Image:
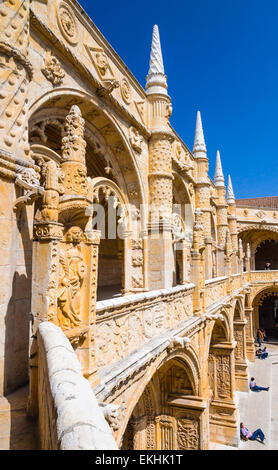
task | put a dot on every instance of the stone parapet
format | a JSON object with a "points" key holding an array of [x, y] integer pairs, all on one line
{"points": [[69, 415]]}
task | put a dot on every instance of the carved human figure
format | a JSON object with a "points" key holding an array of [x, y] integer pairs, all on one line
{"points": [[72, 271], [102, 62]]}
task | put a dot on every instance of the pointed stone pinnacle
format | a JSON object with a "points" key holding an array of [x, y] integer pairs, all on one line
{"points": [[230, 192], [199, 141], [156, 78], [156, 61], [218, 175]]}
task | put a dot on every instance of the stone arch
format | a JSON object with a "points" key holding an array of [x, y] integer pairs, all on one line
{"points": [[238, 309], [183, 212], [255, 236], [110, 156], [54, 104], [175, 377], [265, 311]]}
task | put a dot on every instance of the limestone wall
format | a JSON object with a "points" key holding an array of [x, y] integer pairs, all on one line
{"points": [[69, 414], [15, 290]]}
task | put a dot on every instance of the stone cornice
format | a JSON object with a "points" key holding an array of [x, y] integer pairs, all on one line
{"points": [[66, 53]]}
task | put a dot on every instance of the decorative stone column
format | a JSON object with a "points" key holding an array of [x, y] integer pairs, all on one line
{"points": [[240, 256], [197, 256], [228, 261], [248, 260], [203, 193], [241, 366], [250, 347], [161, 259], [224, 426], [232, 223], [65, 253], [161, 255], [221, 212]]}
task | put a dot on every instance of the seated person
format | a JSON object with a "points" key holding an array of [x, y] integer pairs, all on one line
{"points": [[252, 436], [262, 354], [256, 388]]}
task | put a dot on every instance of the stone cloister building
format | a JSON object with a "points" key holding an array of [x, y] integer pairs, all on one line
{"points": [[138, 340]]}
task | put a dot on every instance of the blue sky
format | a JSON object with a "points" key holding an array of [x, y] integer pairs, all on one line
{"points": [[221, 57]]}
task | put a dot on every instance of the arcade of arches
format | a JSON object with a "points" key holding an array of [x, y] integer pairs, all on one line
{"points": [[118, 252]]}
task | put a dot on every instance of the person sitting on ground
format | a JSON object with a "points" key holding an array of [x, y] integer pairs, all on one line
{"points": [[254, 387], [252, 436], [261, 354]]}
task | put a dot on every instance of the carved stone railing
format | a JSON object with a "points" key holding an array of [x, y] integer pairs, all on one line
{"points": [[264, 276], [126, 323], [236, 281], [68, 412], [215, 289]]}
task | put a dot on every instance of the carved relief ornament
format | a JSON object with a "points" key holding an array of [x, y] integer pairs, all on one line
{"points": [[135, 139], [101, 63], [52, 69], [67, 23], [126, 91]]}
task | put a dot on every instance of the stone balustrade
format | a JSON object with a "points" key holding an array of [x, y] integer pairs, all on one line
{"points": [[126, 323], [69, 415], [264, 276], [236, 281], [215, 289]]}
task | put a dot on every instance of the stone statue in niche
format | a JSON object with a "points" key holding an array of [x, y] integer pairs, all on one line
{"points": [[72, 271]]}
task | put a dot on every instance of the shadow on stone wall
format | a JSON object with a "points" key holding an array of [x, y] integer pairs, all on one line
{"points": [[17, 320]]}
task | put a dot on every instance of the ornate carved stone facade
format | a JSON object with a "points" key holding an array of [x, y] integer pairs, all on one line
{"points": [[112, 230]]}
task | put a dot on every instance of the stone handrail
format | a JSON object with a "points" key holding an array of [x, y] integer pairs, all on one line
{"points": [[69, 415], [126, 323], [264, 276], [215, 289]]}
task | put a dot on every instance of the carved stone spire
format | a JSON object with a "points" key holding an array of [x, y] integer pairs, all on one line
{"points": [[230, 192], [218, 175], [156, 78], [199, 141], [74, 145], [74, 154]]}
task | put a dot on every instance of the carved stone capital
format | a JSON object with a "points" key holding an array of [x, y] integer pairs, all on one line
{"points": [[48, 231]]}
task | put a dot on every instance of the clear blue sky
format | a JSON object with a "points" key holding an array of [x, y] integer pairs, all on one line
{"points": [[221, 57]]}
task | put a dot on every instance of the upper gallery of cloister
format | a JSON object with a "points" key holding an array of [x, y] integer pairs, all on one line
{"points": [[117, 248]]}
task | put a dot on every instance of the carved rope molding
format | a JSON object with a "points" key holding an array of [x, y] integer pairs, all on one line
{"points": [[39, 26], [9, 50], [11, 167]]}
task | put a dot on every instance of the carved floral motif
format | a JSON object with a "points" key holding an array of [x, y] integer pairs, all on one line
{"points": [[67, 23], [126, 91], [188, 433], [52, 69]]}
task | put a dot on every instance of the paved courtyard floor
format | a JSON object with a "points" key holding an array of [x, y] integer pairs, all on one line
{"points": [[16, 431], [260, 409]]}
